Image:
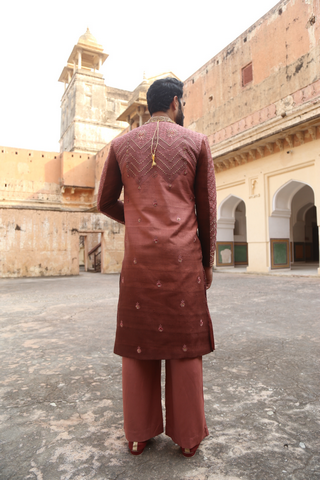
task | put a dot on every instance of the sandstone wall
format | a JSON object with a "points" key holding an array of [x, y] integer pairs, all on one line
{"points": [[45, 203], [284, 49], [89, 112], [269, 174], [46, 243], [38, 243], [29, 176]]}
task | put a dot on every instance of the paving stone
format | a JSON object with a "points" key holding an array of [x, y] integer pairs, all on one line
{"points": [[60, 383]]}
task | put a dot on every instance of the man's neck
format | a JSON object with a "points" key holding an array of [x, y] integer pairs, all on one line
{"points": [[164, 114]]}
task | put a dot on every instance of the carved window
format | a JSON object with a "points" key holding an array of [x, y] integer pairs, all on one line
{"points": [[247, 75]]}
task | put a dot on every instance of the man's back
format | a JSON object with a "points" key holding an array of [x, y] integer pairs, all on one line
{"points": [[159, 199], [175, 147]]}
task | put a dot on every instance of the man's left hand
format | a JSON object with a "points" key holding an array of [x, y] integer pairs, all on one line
{"points": [[208, 272]]}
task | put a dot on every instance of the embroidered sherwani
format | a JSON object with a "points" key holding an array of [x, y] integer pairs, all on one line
{"points": [[169, 211]]}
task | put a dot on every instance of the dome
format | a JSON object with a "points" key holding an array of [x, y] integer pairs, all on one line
{"points": [[88, 39]]}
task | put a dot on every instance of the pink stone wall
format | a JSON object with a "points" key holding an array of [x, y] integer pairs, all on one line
{"points": [[284, 50]]}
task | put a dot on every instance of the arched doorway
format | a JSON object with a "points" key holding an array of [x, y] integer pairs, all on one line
{"points": [[293, 226], [90, 251], [304, 234], [232, 246]]}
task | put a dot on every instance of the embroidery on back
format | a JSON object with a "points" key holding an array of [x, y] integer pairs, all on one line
{"points": [[173, 154]]}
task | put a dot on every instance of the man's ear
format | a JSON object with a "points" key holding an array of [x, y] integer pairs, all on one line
{"points": [[174, 105]]}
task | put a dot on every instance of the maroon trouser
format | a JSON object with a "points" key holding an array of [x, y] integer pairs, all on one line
{"points": [[142, 410]]}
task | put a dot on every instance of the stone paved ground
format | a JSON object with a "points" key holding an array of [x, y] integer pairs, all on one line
{"points": [[60, 392]]}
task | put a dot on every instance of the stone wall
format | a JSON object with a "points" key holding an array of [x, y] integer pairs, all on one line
{"points": [[45, 203], [46, 243], [48, 199], [38, 243], [283, 47], [264, 219], [34, 178], [29, 177], [89, 111]]}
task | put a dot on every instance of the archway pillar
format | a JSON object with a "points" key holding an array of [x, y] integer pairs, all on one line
{"points": [[258, 254], [279, 224], [225, 242], [231, 246], [257, 233], [319, 246], [103, 253], [225, 229], [279, 229]]}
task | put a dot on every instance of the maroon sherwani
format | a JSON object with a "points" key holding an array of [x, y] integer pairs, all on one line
{"points": [[169, 211]]}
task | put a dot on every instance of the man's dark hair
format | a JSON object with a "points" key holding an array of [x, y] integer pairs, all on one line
{"points": [[162, 92]]}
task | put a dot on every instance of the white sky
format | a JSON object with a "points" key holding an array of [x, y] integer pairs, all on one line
{"points": [[37, 37]]}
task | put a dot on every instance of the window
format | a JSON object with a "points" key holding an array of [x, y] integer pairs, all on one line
{"points": [[247, 75]]}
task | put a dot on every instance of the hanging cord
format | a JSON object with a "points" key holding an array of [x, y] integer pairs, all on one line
{"points": [[153, 151]]}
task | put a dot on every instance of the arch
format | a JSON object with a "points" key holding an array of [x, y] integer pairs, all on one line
{"points": [[281, 202], [228, 207], [287, 225], [279, 221], [240, 223], [232, 232]]}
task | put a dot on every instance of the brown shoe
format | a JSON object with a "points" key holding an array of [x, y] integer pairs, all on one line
{"points": [[136, 448], [189, 452]]}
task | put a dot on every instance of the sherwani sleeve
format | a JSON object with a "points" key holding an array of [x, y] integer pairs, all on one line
{"points": [[206, 204], [110, 189]]}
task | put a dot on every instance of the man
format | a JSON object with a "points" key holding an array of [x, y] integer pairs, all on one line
{"points": [[169, 210]]}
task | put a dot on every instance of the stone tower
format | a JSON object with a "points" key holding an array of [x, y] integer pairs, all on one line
{"points": [[89, 109]]}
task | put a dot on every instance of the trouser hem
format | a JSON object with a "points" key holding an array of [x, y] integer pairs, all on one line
{"points": [[191, 442], [144, 436]]}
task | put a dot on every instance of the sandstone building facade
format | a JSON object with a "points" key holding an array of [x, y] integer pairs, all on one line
{"points": [[259, 103], [89, 109]]}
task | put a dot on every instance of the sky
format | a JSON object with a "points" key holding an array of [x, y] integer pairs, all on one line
{"points": [[37, 37]]}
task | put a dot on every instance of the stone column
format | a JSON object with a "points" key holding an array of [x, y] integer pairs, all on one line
{"points": [[141, 111], [225, 228], [103, 254], [79, 59], [319, 248], [257, 227], [86, 253]]}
